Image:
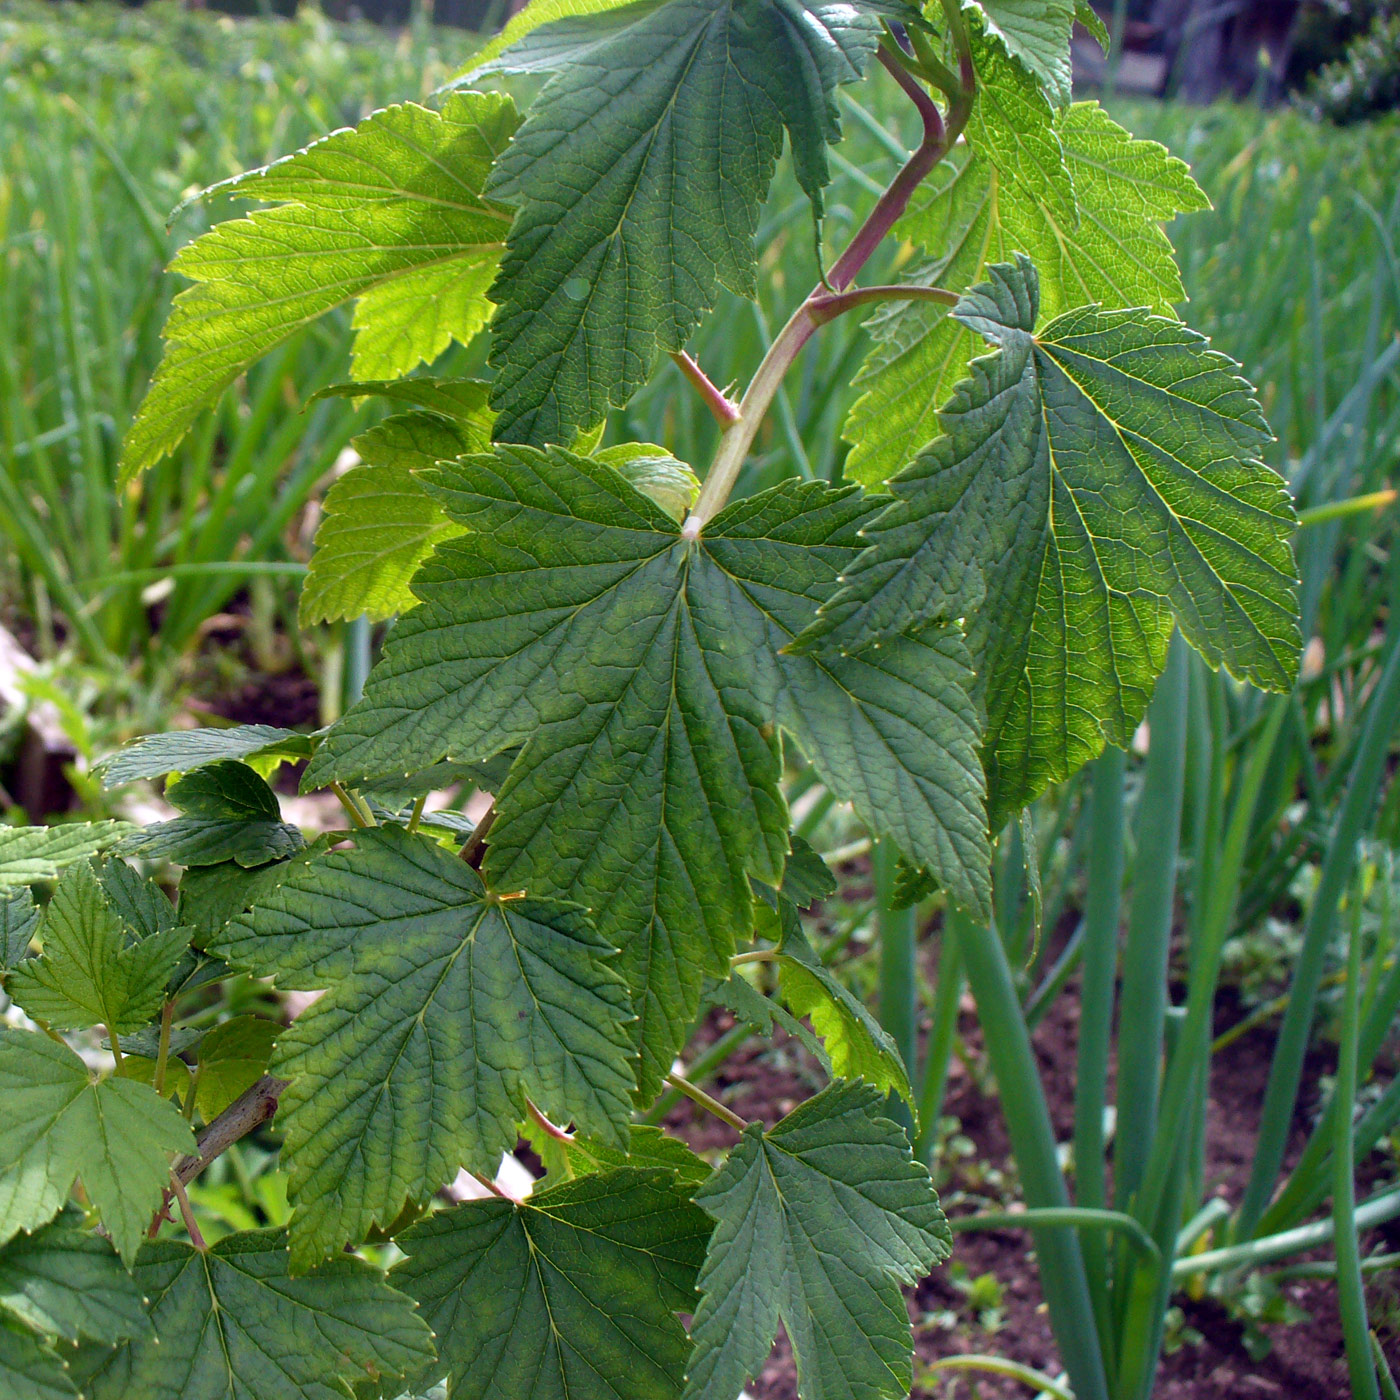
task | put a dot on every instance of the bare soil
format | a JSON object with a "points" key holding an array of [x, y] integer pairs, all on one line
{"points": [[1208, 1359]]}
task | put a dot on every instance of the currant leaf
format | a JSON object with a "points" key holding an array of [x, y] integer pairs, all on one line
{"points": [[642, 672], [182, 751], [1097, 483], [818, 1222], [379, 522], [232, 1323], [30, 1367], [1036, 33], [639, 172], [30, 853], [391, 214], [571, 1295], [57, 1124], [19, 919], [980, 208], [67, 1282], [443, 1008], [91, 972]]}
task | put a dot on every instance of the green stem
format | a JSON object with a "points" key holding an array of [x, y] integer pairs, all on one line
{"points": [[899, 978], [1100, 933], [1351, 1291], [739, 435], [943, 1034], [1286, 1071], [167, 1020], [1013, 1063], [711, 1105]]}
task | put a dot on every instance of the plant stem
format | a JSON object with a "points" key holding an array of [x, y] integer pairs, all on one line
{"points": [[253, 1107], [738, 436], [756, 956], [352, 811], [697, 1095], [186, 1214], [167, 1019], [829, 307], [545, 1126], [725, 410], [116, 1050], [416, 816], [474, 852], [1351, 1291]]}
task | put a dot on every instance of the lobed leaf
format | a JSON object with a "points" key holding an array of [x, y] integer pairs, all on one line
{"points": [[643, 674], [638, 175], [67, 1282], [232, 1323], [991, 199], [818, 1222], [1036, 33], [90, 972], [30, 853], [183, 750], [571, 1295], [19, 919], [443, 1008], [1096, 484], [380, 522], [57, 1124], [391, 214]]}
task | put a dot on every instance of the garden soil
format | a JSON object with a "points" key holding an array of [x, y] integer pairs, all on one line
{"points": [[1209, 1359]]}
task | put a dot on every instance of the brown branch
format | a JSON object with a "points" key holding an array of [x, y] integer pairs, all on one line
{"points": [[725, 410]]}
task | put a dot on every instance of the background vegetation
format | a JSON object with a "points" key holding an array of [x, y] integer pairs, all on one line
{"points": [[1248, 861]]}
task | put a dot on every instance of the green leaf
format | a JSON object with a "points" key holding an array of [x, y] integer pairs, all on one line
{"points": [[463, 400], [211, 895], [391, 213], [647, 1147], [1097, 482], [90, 972], [68, 1282], [19, 918], [1088, 16], [644, 671], [857, 1045], [230, 814], [569, 1296], [232, 1057], [182, 751], [30, 853], [639, 173], [380, 522], [233, 1324], [980, 208], [807, 878], [443, 1008], [56, 1124], [526, 21], [820, 1220], [29, 1367], [1036, 34], [655, 473]]}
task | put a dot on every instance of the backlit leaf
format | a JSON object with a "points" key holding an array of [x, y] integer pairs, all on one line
{"points": [[1096, 484]]}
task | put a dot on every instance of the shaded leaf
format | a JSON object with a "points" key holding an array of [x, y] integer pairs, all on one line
{"points": [[233, 1324], [19, 918], [232, 1057], [444, 1007], [819, 1220], [639, 172], [569, 1296], [68, 1282], [642, 673]]}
